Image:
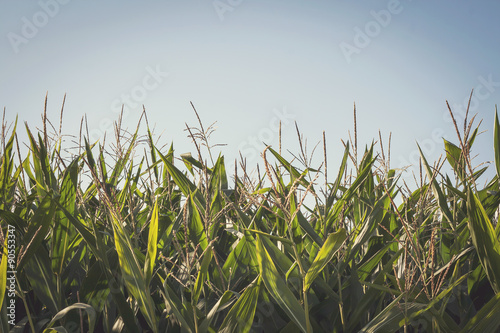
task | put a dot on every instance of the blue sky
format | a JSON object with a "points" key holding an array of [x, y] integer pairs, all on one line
{"points": [[246, 64]]}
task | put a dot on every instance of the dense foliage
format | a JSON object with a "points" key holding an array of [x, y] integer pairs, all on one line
{"points": [[172, 244]]}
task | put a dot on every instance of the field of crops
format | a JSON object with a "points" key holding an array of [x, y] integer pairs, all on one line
{"points": [[132, 237]]}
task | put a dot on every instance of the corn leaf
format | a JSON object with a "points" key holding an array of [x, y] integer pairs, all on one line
{"points": [[91, 315], [195, 224], [3, 269], [152, 244], [293, 171], [484, 239], [64, 232], [456, 159], [486, 319], [222, 303], [133, 275], [185, 185], [389, 319], [240, 317], [37, 230], [39, 273], [202, 275], [278, 288], [441, 199], [325, 254], [182, 312], [7, 183], [496, 143]]}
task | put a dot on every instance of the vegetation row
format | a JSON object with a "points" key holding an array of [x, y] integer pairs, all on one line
{"points": [[113, 239]]}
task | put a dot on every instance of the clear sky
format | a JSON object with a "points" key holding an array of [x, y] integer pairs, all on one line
{"points": [[246, 64]]}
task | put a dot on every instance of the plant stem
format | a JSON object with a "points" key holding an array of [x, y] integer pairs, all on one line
{"points": [[306, 308], [25, 306], [341, 305]]}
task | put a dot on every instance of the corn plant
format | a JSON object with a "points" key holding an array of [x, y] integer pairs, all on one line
{"points": [[110, 239]]}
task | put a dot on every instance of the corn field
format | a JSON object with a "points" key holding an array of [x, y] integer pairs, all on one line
{"points": [[131, 237]]}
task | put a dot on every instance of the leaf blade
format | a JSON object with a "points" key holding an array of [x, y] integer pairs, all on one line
{"points": [[325, 254], [278, 288]]}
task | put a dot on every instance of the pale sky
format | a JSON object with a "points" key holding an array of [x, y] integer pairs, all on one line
{"points": [[246, 64]]}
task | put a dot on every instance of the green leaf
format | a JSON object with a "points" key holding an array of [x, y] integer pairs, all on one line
{"points": [[368, 224], [218, 177], [278, 288], [94, 289], [42, 280], [221, 304], [64, 232], [81, 306], [37, 230], [438, 298], [241, 259], [7, 183], [152, 244], [90, 156], [340, 176], [373, 294], [349, 193], [367, 267], [297, 234], [441, 199], [45, 164], [185, 185], [195, 224], [293, 171], [389, 319], [325, 254], [496, 142], [126, 313], [153, 154], [486, 319], [484, 239], [273, 237], [84, 231], [189, 161], [171, 230], [133, 275], [182, 311], [283, 264], [57, 329], [240, 317], [202, 275], [306, 226], [3, 269], [455, 157], [122, 161]]}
